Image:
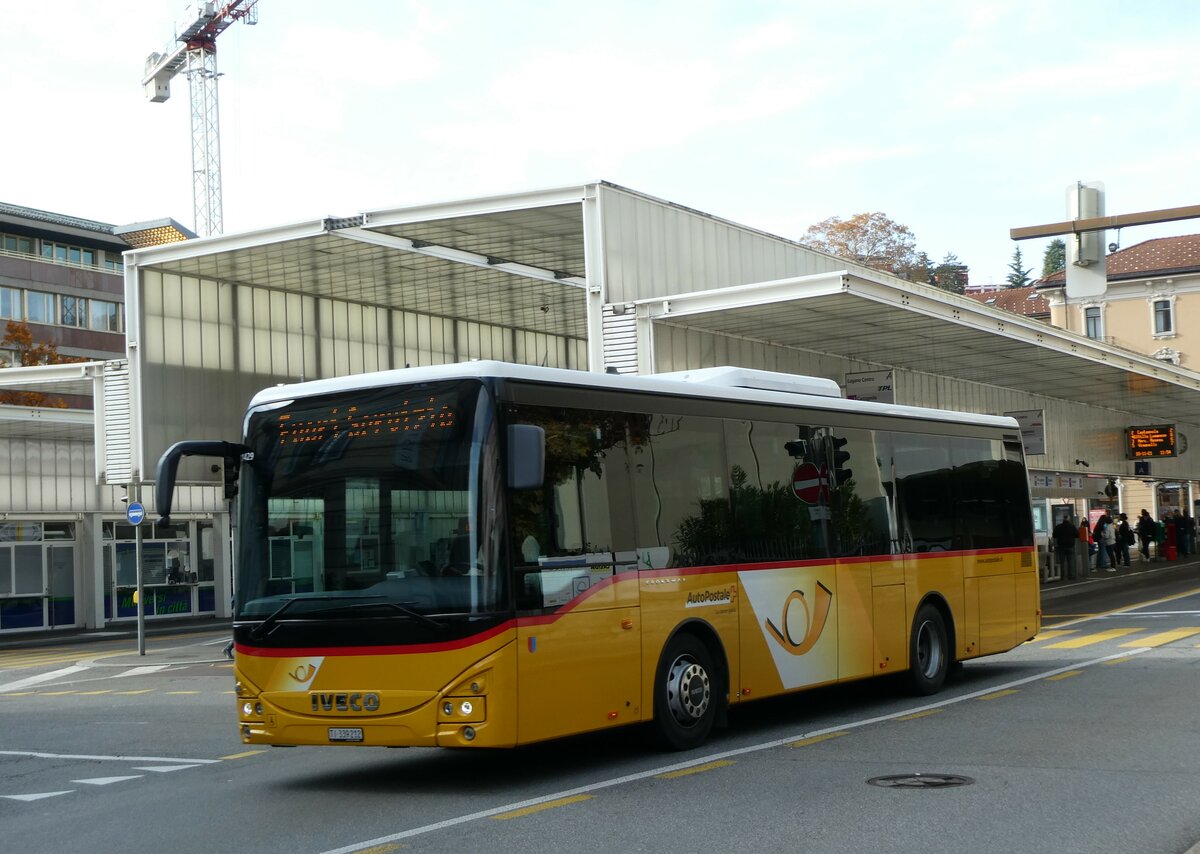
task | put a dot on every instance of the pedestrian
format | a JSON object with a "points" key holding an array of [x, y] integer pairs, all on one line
{"points": [[1124, 540], [1145, 532], [1065, 534], [1098, 538], [1189, 532], [1085, 537], [1180, 533], [1110, 542]]}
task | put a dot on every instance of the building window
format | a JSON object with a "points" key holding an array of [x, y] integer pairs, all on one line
{"points": [[1163, 320], [16, 243], [105, 316], [39, 307], [10, 304], [1092, 325], [72, 311]]}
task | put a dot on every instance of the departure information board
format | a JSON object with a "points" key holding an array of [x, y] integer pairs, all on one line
{"points": [[1157, 440]]}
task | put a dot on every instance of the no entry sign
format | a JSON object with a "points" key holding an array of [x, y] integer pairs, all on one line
{"points": [[810, 483]]}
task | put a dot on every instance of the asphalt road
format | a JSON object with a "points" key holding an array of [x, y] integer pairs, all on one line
{"points": [[1084, 740]]}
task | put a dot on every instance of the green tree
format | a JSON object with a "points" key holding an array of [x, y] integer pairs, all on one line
{"points": [[872, 239], [951, 275], [1055, 258], [1018, 277]]}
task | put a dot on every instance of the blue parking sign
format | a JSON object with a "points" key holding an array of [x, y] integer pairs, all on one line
{"points": [[135, 513]]}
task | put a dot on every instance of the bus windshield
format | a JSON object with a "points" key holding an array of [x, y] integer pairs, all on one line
{"points": [[378, 504]]}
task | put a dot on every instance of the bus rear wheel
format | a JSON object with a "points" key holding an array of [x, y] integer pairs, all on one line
{"points": [[685, 693], [929, 651]]}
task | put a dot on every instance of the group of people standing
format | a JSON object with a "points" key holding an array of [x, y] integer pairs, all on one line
{"points": [[1110, 539]]}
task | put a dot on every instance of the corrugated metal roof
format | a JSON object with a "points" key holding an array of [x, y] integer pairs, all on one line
{"points": [[57, 219]]}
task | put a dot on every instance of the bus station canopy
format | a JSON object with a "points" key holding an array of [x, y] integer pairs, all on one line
{"points": [[522, 260]]}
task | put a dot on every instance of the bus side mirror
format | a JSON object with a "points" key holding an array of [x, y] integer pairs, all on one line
{"points": [[526, 456]]}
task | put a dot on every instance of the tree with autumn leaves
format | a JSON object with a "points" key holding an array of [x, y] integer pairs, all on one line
{"points": [[879, 242], [19, 337]]}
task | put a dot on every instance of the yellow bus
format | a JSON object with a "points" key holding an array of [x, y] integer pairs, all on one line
{"points": [[489, 554]]}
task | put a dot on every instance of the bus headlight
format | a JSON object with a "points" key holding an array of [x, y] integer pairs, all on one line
{"points": [[247, 709]]}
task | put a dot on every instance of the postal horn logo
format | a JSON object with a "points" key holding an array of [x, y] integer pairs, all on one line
{"points": [[814, 620], [302, 673]]}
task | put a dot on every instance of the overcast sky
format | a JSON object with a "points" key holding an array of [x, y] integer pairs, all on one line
{"points": [[959, 120]]}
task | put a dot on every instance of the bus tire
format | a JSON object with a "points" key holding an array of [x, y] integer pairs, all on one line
{"points": [[686, 693], [928, 652]]}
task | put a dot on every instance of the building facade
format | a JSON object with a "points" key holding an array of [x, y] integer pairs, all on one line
{"points": [[66, 553]]}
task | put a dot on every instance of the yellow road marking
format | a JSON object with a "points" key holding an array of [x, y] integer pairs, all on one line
{"points": [[55, 693], [695, 769], [816, 739], [548, 805], [183, 692], [18, 694], [916, 715], [244, 755], [1120, 660], [94, 693], [1066, 675], [1088, 640], [140, 691], [381, 849], [1163, 637], [1051, 634], [996, 695]]}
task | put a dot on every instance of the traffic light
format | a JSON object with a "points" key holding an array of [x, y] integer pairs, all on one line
{"points": [[232, 464], [799, 447], [841, 474]]}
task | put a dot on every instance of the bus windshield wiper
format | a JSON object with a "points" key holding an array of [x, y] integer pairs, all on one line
{"points": [[402, 607], [260, 631]]}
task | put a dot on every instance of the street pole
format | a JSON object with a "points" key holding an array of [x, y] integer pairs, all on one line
{"points": [[141, 598]]}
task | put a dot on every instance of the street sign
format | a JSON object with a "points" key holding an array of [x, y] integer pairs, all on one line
{"points": [[135, 513], [809, 483]]}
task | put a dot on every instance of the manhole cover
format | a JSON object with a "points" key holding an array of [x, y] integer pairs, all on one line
{"points": [[920, 781]]}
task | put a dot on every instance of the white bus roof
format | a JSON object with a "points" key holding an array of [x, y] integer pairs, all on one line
{"points": [[726, 383]]}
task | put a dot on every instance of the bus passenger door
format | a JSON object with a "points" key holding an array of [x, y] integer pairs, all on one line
{"points": [[579, 665]]}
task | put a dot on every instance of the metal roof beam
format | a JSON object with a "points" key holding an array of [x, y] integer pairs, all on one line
{"points": [[458, 256], [745, 296], [1100, 223], [474, 207]]}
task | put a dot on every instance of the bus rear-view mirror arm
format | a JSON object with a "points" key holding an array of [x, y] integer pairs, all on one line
{"points": [[164, 480]]}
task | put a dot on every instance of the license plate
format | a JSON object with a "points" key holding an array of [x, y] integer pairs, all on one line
{"points": [[345, 733]]}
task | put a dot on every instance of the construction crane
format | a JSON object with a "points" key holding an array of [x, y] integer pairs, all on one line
{"points": [[194, 51]]}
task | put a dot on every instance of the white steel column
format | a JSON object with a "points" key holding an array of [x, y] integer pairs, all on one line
{"points": [[593, 255]]}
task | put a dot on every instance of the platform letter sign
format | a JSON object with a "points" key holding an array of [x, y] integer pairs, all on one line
{"points": [[1157, 440]]}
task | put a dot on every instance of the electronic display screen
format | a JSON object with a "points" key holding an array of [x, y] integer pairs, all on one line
{"points": [[1152, 441], [348, 421]]}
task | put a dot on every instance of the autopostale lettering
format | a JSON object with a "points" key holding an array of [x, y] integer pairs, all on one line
{"points": [[366, 702]]}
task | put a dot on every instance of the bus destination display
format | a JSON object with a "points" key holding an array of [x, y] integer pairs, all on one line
{"points": [[349, 421], [1154, 441]]}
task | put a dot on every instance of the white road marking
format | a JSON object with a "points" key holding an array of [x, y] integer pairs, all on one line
{"points": [[713, 757], [162, 769], [142, 671], [108, 781], [40, 678], [36, 797], [164, 759]]}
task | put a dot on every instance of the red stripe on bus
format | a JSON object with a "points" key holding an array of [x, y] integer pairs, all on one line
{"points": [[409, 649]]}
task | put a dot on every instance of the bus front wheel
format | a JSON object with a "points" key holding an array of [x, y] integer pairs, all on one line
{"points": [[685, 693], [929, 651]]}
